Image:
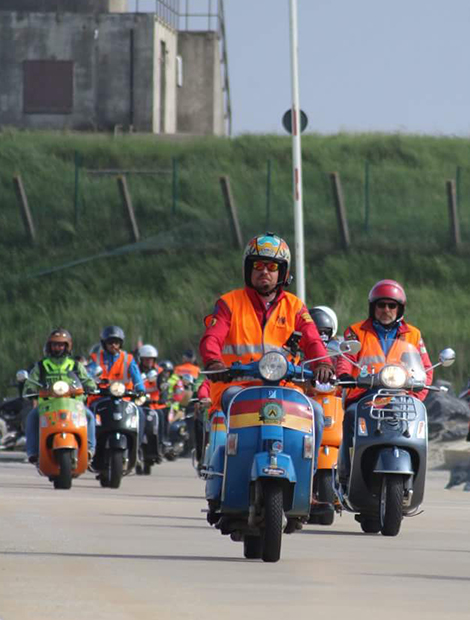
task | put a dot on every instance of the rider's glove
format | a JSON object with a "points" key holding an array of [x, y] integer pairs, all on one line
{"points": [[323, 373], [218, 376], [346, 377]]}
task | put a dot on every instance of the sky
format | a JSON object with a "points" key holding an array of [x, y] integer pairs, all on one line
{"points": [[364, 65]]}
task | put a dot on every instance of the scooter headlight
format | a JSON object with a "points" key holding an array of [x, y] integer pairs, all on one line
{"points": [[60, 388], [393, 377], [273, 366], [117, 388]]}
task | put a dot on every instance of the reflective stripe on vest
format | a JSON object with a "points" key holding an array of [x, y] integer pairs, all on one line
{"points": [[372, 354], [246, 340], [58, 371]]}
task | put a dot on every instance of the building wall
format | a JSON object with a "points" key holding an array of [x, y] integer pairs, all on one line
{"points": [[115, 77], [200, 107], [64, 6], [164, 99]]}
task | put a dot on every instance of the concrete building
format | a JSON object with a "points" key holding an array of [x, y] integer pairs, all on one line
{"points": [[89, 65]]}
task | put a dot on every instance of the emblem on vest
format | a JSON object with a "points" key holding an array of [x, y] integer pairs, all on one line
{"points": [[281, 320]]}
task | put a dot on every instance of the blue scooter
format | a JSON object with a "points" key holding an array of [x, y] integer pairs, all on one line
{"points": [[259, 480]]}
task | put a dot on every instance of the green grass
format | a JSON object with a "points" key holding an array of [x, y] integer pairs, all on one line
{"points": [[162, 294]]}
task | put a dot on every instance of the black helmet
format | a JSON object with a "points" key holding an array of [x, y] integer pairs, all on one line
{"points": [[166, 365], [189, 356], [325, 319], [113, 331]]}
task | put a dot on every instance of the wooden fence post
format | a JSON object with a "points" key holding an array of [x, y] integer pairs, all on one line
{"points": [[340, 210], [24, 207], [127, 203], [232, 212], [453, 215]]}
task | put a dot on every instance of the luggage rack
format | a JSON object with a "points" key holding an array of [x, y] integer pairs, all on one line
{"points": [[393, 406]]}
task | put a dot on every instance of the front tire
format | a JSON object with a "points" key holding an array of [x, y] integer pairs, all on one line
{"points": [[326, 495], [116, 464], [391, 504], [272, 534], [64, 479]]}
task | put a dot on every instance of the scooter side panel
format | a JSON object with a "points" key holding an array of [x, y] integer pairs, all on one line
{"points": [[237, 470], [214, 483]]}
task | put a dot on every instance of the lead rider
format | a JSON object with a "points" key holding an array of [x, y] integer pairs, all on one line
{"points": [[248, 322]]}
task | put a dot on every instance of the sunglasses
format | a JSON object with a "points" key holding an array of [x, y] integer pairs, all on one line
{"points": [[392, 305], [261, 265]]}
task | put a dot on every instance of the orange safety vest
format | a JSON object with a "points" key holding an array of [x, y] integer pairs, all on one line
{"points": [[247, 341], [372, 355], [188, 369], [119, 371], [153, 393]]}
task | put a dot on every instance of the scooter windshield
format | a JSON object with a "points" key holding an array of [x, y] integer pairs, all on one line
{"points": [[407, 355]]}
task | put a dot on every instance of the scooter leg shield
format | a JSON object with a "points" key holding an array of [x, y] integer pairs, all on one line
{"points": [[327, 457], [393, 460]]}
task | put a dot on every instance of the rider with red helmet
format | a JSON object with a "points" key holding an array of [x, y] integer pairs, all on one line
{"points": [[386, 324]]}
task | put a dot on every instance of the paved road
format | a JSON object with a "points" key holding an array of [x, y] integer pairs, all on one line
{"points": [[144, 551]]}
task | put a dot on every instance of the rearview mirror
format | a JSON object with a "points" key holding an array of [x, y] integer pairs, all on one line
{"points": [[152, 375], [350, 346], [447, 357], [22, 376]]}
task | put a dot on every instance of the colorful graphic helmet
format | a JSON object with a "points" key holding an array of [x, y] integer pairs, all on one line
{"points": [[387, 289], [113, 331], [268, 247], [326, 321], [59, 335], [147, 350]]}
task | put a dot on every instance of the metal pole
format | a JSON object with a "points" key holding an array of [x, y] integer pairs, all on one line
{"points": [[268, 196], [297, 158]]}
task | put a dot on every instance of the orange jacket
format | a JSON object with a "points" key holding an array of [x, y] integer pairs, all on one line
{"points": [[373, 356], [188, 369], [247, 341]]}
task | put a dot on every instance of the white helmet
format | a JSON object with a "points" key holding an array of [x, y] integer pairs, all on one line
{"points": [[325, 318], [148, 350]]}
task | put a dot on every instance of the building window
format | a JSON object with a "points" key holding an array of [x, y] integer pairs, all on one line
{"points": [[48, 86]]}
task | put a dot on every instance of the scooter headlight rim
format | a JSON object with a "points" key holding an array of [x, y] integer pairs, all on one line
{"points": [[60, 388], [393, 376], [117, 388], [273, 366]]}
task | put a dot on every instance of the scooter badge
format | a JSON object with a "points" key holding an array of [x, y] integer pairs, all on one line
{"points": [[271, 413]]}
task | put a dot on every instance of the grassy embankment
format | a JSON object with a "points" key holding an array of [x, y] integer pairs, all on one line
{"points": [[162, 294]]}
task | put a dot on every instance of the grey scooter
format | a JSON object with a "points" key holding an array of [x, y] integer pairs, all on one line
{"points": [[389, 454]]}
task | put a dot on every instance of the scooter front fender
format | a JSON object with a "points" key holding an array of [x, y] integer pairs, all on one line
{"points": [[264, 468], [64, 440], [393, 461], [116, 441]]}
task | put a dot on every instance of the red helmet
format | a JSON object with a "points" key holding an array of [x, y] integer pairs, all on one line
{"points": [[388, 289]]}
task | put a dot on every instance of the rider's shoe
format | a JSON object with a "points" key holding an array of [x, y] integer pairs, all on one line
{"points": [[33, 459]]}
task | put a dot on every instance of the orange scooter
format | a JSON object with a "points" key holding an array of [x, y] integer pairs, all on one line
{"points": [[324, 499], [63, 446]]}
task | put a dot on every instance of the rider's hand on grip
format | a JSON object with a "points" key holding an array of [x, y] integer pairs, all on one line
{"points": [[218, 376], [347, 378], [323, 373]]}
